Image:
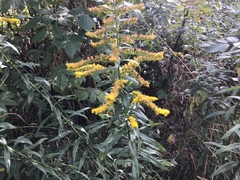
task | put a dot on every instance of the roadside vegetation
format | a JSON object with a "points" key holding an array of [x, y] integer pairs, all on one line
{"points": [[114, 89]]}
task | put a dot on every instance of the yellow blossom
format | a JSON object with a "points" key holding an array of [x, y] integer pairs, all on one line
{"points": [[171, 139], [99, 10], [96, 44], [89, 60], [101, 108], [140, 79], [89, 69], [126, 39], [113, 58], [129, 8], [148, 101], [129, 21], [164, 112], [108, 21], [143, 37], [133, 122], [111, 97], [10, 20], [96, 34]]}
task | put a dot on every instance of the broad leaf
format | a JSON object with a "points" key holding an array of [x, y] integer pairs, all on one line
{"points": [[86, 22]]}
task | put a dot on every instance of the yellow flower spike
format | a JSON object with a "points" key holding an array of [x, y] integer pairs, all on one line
{"points": [[111, 97], [126, 39], [124, 9], [110, 20], [89, 69], [101, 108], [96, 44], [113, 58], [148, 101], [143, 37], [96, 34], [164, 112], [133, 122], [10, 20], [129, 21]]}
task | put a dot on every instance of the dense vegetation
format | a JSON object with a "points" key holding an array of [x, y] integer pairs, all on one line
{"points": [[119, 89]]}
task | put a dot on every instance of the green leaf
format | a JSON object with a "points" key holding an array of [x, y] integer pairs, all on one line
{"points": [[40, 35], [230, 147], [47, 57], [217, 48], [61, 81], [93, 128], [231, 131], [59, 118], [229, 112], [93, 97], [7, 159], [61, 135], [71, 49], [13, 4], [214, 114], [22, 140], [40, 141], [57, 32], [165, 20], [41, 168], [82, 95], [225, 167], [83, 158], [86, 22], [32, 23], [6, 125], [151, 142]]}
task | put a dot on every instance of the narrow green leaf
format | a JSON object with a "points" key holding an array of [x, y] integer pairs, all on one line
{"points": [[214, 114], [6, 125], [231, 131], [231, 147], [7, 159], [61, 135], [75, 149], [225, 167]]}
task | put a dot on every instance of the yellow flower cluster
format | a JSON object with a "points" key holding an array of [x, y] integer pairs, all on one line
{"points": [[10, 20], [108, 21], [150, 56], [133, 122], [129, 21], [99, 10], [143, 37], [142, 55], [139, 78], [97, 34], [126, 39], [89, 60], [97, 44], [111, 97], [148, 101], [124, 9], [88, 69]]}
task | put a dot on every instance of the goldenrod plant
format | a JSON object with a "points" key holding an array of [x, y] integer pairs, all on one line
{"points": [[115, 71]]}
